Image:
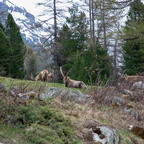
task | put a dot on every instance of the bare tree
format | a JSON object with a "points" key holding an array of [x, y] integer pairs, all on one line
{"points": [[55, 14]]}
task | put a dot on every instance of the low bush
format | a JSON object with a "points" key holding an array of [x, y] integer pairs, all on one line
{"points": [[44, 124]]}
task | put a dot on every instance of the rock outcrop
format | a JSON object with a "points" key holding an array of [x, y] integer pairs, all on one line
{"points": [[65, 94]]}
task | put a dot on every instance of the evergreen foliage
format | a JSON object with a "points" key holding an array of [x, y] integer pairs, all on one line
{"points": [[79, 29], [5, 51], [133, 49], [18, 48], [78, 53], [88, 64], [74, 34], [1, 26]]}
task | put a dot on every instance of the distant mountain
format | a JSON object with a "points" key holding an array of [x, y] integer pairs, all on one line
{"points": [[30, 27], [32, 31]]}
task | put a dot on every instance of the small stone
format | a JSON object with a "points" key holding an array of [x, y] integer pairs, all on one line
{"points": [[3, 88]]}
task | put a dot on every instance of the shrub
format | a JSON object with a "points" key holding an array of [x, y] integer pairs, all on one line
{"points": [[41, 135], [45, 123]]}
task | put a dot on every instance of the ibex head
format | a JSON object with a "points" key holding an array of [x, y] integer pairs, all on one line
{"points": [[65, 78], [124, 76], [51, 74]]}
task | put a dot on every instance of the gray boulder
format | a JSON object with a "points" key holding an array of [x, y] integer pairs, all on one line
{"points": [[105, 135], [128, 92], [27, 95], [65, 94], [138, 85], [16, 89], [120, 101], [76, 96], [132, 112], [50, 93]]}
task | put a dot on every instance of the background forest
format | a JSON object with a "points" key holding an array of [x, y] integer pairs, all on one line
{"points": [[92, 41]]}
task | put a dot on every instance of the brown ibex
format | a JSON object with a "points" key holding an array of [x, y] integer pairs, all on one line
{"points": [[131, 78], [72, 83], [43, 76]]}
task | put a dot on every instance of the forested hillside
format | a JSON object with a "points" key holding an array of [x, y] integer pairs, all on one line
{"points": [[85, 82], [92, 40]]}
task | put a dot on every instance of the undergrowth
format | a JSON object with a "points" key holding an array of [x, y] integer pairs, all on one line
{"points": [[35, 124], [30, 121]]}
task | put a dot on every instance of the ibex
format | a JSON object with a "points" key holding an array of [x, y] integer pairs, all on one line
{"points": [[43, 76], [131, 78], [72, 83]]}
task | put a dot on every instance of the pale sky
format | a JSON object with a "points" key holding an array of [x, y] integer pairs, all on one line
{"points": [[29, 5]]}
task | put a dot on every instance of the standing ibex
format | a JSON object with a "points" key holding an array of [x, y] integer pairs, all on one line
{"points": [[72, 83], [43, 76], [131, 78]]}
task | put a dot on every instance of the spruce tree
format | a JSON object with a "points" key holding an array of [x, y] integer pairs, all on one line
{"points": [[18, 48], [1, 26], [74, 34], [5, 52], [133, 49]]}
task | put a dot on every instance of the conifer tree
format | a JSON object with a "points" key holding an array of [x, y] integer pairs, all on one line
{"points": [[5, 51], [18, 48], [133, 48], [72, 36], [86, 65], [1, 26], [78, 52]]}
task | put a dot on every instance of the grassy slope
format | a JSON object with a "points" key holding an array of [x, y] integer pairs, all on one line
{"points": [[15, 82], [14, 133]]}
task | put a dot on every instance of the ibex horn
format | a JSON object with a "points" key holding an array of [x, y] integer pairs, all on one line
{"points": [[69, 72], [61, 72]]}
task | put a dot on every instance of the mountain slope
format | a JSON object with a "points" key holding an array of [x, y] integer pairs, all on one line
{"points": [[30, 27]]}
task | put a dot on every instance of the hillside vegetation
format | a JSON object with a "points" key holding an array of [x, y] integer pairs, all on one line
{"points": [[56, 121]]}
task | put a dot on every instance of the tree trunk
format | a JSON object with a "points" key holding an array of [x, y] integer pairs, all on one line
{"points": [[90, 18], [104, 25], [55, 22], [93, 25]]}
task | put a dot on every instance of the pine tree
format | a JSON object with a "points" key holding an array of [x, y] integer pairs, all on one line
{"points": [[18, 48], [5, 51], [133, 48]]}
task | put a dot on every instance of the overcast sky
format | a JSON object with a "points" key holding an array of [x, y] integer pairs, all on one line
{"points": [[29, 5]]}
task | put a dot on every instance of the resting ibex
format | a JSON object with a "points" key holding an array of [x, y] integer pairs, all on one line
{"points": [[43, 76], [72, 83]]}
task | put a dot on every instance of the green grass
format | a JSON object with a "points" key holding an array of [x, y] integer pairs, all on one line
{"points": [[35, 122], [12, 134], [15, 82], [10, 82], [40, 122]]}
